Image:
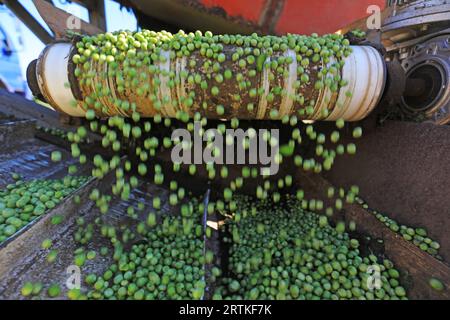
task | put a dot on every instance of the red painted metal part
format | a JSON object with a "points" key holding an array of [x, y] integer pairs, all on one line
{"points": [[297, 16], [249, 10]]}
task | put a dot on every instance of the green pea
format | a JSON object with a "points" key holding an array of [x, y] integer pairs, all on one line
{"points": [[51, 257], [436, 284], [56, 156], [54, 291], [357, 132], [46, 244], [215, 91], [340, 123], [57, 219]]}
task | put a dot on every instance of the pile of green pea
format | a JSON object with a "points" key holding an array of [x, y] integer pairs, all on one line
{"points": [[285, 252], [418, 236], [167, 263], [23, 202]]}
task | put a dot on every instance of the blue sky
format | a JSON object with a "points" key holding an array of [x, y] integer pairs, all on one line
{"points": [[29, 46]]}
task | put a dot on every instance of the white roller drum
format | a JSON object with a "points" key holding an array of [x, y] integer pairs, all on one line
{"points": [[53, 79], [364, 70]]}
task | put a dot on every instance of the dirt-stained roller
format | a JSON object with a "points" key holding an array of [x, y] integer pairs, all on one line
{"points": [[313, 78]]}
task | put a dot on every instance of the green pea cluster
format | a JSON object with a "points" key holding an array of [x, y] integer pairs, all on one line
{"points": [[134, 61], [168, 264], [289, 253]]}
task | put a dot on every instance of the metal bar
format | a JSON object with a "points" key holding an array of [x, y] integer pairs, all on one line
{"points": [[17, 8]]}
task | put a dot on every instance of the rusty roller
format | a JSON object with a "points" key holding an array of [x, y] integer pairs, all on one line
{"points": [[364, 71]]}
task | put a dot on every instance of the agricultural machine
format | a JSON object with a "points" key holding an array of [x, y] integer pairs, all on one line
{"points": [[361, 106]]}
